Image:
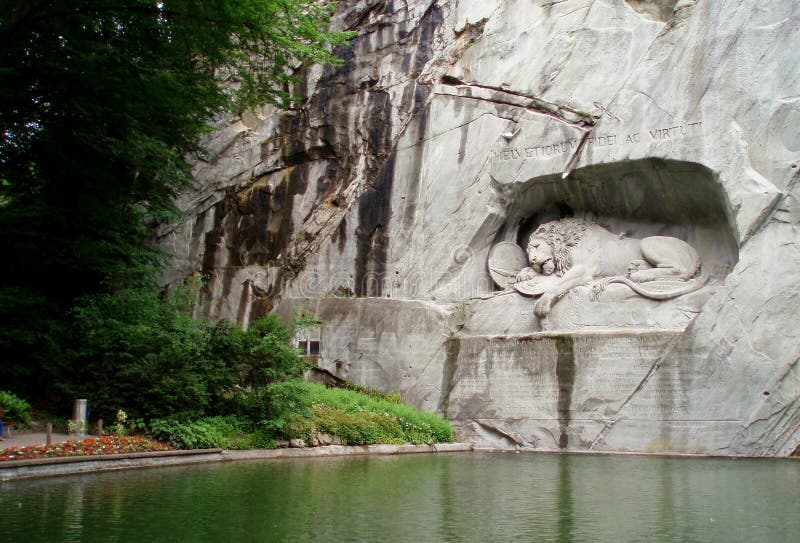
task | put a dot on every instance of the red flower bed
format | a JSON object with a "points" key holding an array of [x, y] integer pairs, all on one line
{"points": [[110, 444]]}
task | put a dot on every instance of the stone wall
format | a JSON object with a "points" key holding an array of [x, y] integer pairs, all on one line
{"points": [[619, 391], [454, 125]]}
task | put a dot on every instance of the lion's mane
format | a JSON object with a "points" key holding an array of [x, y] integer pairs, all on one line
{"points": [[562, 236]]}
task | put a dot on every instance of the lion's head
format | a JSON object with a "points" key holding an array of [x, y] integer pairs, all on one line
{"points": [[540, 256], [560, 236]]}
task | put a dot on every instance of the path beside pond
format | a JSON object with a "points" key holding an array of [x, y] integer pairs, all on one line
{"points": [[26, 439]]}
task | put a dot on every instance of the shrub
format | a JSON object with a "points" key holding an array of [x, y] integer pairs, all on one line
{"points": [[298, 409], [143, 353], [298, 427], [15, 409], [286, 398], [358, 427], [266, 354], [227, 432], [140, 352]]}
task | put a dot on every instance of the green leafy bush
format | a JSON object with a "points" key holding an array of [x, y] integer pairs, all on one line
{"points": [[359, 427], [265, 354], [15, 409], [101, 103], [227, 432], [297, 427], [296, 409], [299, 409], [143, 353]]}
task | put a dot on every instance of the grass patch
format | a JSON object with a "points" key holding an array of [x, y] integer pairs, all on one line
{"points": [[299, 409]]}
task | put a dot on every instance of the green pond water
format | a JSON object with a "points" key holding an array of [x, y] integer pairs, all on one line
{"points": [[426, 498]]}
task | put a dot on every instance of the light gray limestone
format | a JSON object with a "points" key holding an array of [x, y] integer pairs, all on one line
{"points": [[393, 345], [456, 125]]}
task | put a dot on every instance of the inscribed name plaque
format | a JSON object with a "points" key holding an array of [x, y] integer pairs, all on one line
{"points": [[535, 147], [609, 370], [571, 388], [538, 146], [503, 378]]}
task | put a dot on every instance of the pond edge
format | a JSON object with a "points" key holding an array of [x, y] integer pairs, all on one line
{"points": [[14, 470]]}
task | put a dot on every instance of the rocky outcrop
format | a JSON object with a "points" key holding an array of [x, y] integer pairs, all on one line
{"points": [[451, 126]]}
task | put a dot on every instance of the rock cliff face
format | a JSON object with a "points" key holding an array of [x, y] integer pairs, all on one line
{"points": [[375, 202]]}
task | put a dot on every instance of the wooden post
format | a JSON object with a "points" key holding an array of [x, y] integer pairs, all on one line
{"points": [[99, 427], [49, 433]]}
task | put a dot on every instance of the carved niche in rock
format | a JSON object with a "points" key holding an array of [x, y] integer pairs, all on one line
{"points": [[568, 253]]}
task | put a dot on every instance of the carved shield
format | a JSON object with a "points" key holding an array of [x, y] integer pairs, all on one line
{"points": [[536, 286], [506, 259]]}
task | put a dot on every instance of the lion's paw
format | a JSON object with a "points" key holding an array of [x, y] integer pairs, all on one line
{"points": [[526, 274], [596, 290], [543, 306]]}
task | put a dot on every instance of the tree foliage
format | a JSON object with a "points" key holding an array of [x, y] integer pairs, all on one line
{"points": [[142, 353], [101, 101]]}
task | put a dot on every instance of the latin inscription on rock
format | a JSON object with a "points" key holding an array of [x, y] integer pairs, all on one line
{"points": [[546, 150], [664, 395], [611, 369], [517, 378]]}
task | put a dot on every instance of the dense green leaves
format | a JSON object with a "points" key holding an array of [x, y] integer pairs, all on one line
{"points": [[101, 101], [228, 432], [139, 352], [14, 409], [298, 409]]}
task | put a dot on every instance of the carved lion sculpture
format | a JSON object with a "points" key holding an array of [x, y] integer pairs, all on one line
{"points": [[580, 252]]}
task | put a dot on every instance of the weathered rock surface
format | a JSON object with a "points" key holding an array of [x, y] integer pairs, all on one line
{"points": [[455, 125]]}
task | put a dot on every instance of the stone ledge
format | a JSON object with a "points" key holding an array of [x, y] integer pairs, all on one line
{"points": [[13, 470], [528, 450], [592, 332], [50, 467], [347, 450], [106, 457]]}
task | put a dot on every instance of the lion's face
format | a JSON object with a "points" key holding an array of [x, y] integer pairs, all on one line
{"points": [[540, 256]]}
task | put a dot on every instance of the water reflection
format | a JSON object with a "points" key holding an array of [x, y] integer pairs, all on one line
{"points": [[565, 503], [667, 520], [73, 513], [420, 499]]}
